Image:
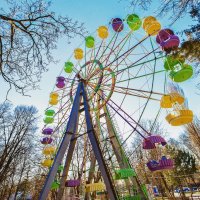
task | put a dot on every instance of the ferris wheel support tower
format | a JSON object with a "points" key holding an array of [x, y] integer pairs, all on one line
{"points": [[70, 131]]}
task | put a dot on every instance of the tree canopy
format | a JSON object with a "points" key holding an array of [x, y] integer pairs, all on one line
{"points": [[29, 31]]}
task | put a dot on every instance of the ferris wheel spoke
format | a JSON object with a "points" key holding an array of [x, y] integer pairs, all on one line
{"points": [[156, 72], [131, 94], [127, 52], [141, 76], [134, 128], [112, 50], [102, 54], [81, 124], [137, 64], [93, 100], [94, 64], [134, 63], [63, 117], [132, 66], [60, 124], [63, 107], [90, 66], [107, 58], [148, 79], [116, 108], [128, 89], [72, 91], [142, 46], [144, 64], [117, 46]]}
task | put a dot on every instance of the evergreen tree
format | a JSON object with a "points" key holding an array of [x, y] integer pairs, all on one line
{"points": [[184, 162]]}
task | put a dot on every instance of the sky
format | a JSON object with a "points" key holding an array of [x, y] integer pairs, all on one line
{"points": [[94, 13]]}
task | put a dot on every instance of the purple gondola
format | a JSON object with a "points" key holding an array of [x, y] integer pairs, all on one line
{"points": [[72, 183], [149, 142], [60, 82], [163, 164], [172, 43], [47, 131], [60, 78], [117, 25], [163, 35], [46, 140]]}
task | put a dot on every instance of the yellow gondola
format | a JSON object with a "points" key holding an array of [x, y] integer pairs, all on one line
{"points": [[49, 150], [53, 101], [147, 21], [180, 117], [102, 32], [151, 25], [54, 95], [92, 187], [53, 98], [168, 100], [47, 163], [78, 54]]}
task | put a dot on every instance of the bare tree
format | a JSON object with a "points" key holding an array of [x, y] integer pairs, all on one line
{"points": [[193, 132], [28, 34], [142, 4], [177, 8], [18, 147]]}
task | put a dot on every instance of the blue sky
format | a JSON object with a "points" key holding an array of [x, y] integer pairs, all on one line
{"points": [[94, 13]]}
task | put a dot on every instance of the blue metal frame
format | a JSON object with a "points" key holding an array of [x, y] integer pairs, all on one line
{"points": [[70, 131]]}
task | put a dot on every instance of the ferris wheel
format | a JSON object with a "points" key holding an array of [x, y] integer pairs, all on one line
{"points": [[114, 80]]}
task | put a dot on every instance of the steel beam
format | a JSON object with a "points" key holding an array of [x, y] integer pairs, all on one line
{"points": [[70, 130], [97, 151], [66, 167]]}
